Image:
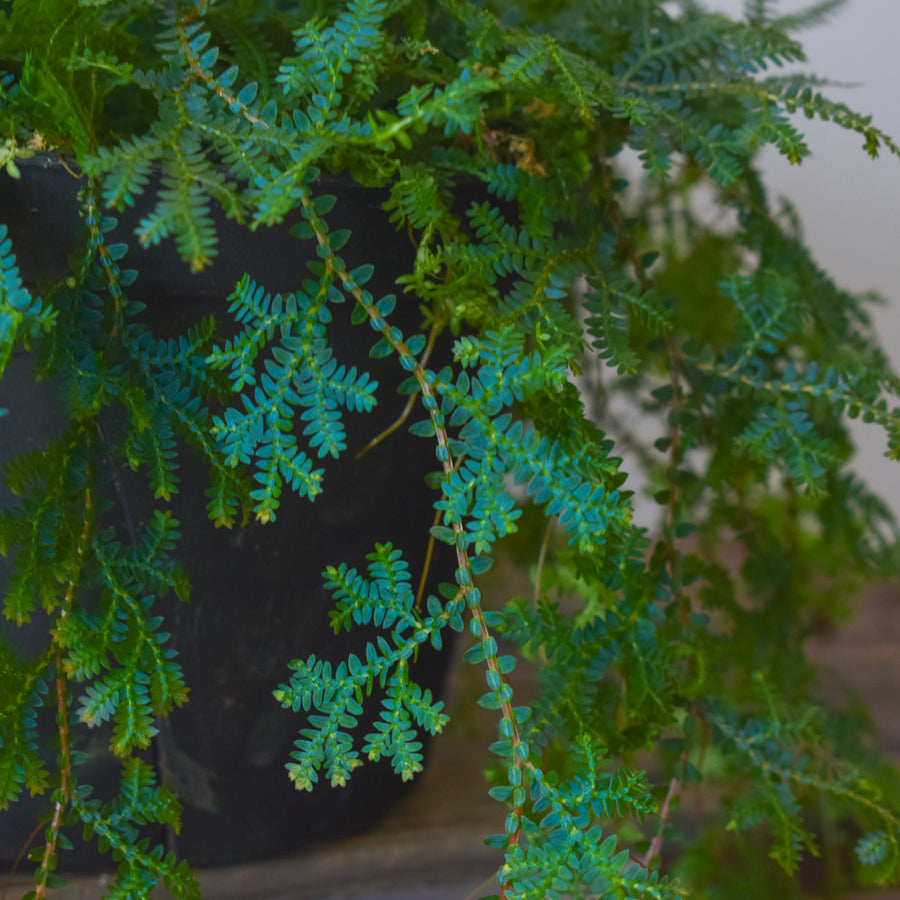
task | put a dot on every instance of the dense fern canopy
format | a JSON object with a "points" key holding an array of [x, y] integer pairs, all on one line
{"points": [[503, 136]]}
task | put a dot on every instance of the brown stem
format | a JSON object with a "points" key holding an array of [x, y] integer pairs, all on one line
{"points": [[198, 72], [674, 356], [64, 163], [426, 567], [423, 361], [675, 458], [66, 790], [464, 567], [21, 855], [665, 812], [542, 558], [429, 553], [65, 777], [106, 261], [476, 891]]}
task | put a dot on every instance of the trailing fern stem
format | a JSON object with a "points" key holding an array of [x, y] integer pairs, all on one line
{"points": [[65, 792], [466, 592]]}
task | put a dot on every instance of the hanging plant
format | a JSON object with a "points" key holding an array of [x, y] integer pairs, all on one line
{"points": [[497, 134]]}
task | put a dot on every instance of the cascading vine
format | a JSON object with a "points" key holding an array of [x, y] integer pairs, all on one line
{"points": [[746, 356]]}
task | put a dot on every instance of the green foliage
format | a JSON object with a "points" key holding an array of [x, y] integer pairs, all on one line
{"points": [[114, 826], [25, 689], [387, 601], [22, 317], [495, 130]]}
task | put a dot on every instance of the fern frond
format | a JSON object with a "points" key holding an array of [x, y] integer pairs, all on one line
{"points": [[183, 211], [24, 688], [789, 758], [551, 863], [494, 443], [608, 304], [122, 638], [328, 55], [248, 48], [797, 98], [116, 827], [813, 15], [22, 317], [416, 198], [301, 374], [125, 172], [386, 600]]}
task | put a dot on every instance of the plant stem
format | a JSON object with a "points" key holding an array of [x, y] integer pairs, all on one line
{"points": [[433, 332], [664, 813], [464, 568], [65, 791]]}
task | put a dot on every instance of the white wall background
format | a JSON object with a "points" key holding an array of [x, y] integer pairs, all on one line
{"points": [[849, 203]]}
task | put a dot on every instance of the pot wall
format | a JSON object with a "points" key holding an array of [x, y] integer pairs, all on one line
{"points": [[257, 599]]}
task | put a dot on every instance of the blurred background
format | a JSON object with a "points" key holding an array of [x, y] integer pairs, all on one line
{"points": [[849, 203]]}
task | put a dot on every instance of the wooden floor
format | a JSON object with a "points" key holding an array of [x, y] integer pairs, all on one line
{"points": [[430, 847]]}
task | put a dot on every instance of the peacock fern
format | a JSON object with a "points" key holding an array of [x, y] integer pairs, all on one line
{"points": [[496, 131]]}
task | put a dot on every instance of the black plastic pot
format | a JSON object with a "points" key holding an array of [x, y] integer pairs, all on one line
{"points": [[257, 599]]}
